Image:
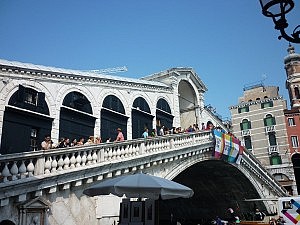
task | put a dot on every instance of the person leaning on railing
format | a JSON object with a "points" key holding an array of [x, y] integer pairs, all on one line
{"points": [[47, 143]]}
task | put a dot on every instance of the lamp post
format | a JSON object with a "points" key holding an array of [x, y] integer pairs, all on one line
{"points": [[277, 10]]}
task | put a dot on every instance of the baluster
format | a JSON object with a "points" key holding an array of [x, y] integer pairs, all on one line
{"points": [[94, 157], [134, 150], [48, 165], [22, 170], [60, 163], [78, 160], [110, 154], [14, 171], [148, 148], [89, 157], [5, 172], [83, 159], [114, 153], [66, 162], [53, 164], [105, 154], [72, 161], [160, 145], [156, 146], [126, 151], [130, 150], [175, 142], [122, 152], [30, 168], [167, 144], [118, 152]]}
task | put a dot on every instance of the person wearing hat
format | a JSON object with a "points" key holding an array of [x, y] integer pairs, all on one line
{"points": [[120, 136]]}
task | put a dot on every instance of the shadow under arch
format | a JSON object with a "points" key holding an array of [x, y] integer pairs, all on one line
{"points": [[217, 186], [27, 115], [7, 222], [76, 117]]}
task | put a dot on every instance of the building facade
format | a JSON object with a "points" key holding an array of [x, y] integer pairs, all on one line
{"points": [[258, 121], [38, 100], [292, 115]]}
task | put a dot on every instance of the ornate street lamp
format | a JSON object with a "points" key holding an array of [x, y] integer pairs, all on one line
{"points": [[277, 9]]}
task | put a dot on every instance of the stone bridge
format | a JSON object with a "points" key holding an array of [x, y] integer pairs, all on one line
{"points": [[48, 185]]}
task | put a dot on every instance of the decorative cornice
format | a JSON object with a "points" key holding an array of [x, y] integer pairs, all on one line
{"points": [[38, 72], [178, 71], [255, 102]]}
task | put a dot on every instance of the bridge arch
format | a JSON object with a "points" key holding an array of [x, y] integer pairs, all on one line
{"points": [[113, 116], [26, 114], [141, 117], [164, 116], [188, 103], [76, 116], [217, 186]]}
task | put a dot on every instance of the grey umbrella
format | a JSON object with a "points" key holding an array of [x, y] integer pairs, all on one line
{"points": [[140, 185]]}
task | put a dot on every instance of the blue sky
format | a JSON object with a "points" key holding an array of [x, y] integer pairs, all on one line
{"points": [[229, 43]]}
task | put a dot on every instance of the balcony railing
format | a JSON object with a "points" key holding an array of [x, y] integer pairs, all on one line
{"points": [[269, 129], [273, 149], [246, 132]]}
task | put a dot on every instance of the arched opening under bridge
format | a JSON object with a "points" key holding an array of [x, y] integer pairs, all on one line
{"points": [[217, 187]]}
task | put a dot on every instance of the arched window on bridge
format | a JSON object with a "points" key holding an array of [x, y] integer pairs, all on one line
{"points": [[76, 117], [163, 114], [26, 116], [141, 117], [113, 117], [187, 104]]}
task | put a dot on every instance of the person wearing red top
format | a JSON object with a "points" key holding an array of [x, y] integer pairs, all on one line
{"points": [[120, 136]]}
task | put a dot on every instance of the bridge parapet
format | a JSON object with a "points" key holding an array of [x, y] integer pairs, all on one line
{"points": [[33, 173], [28, 167], [251, 166], [28, 164]]}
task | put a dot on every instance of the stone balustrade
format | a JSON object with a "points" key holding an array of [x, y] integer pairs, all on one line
{"points": [[252, 164], [50, 162]]}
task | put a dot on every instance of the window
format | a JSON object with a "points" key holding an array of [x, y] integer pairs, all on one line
{"points": [[294, 140], [291, 122], [33, 139], [267, 104], [280, 177], [269, 120], [243, 109], [275, 159], [272, 139], [245, 125], [297, 94], [247, 140], [30, 96]]}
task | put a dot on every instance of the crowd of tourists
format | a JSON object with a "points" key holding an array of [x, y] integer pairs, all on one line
{"points": [[65, 142]]}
